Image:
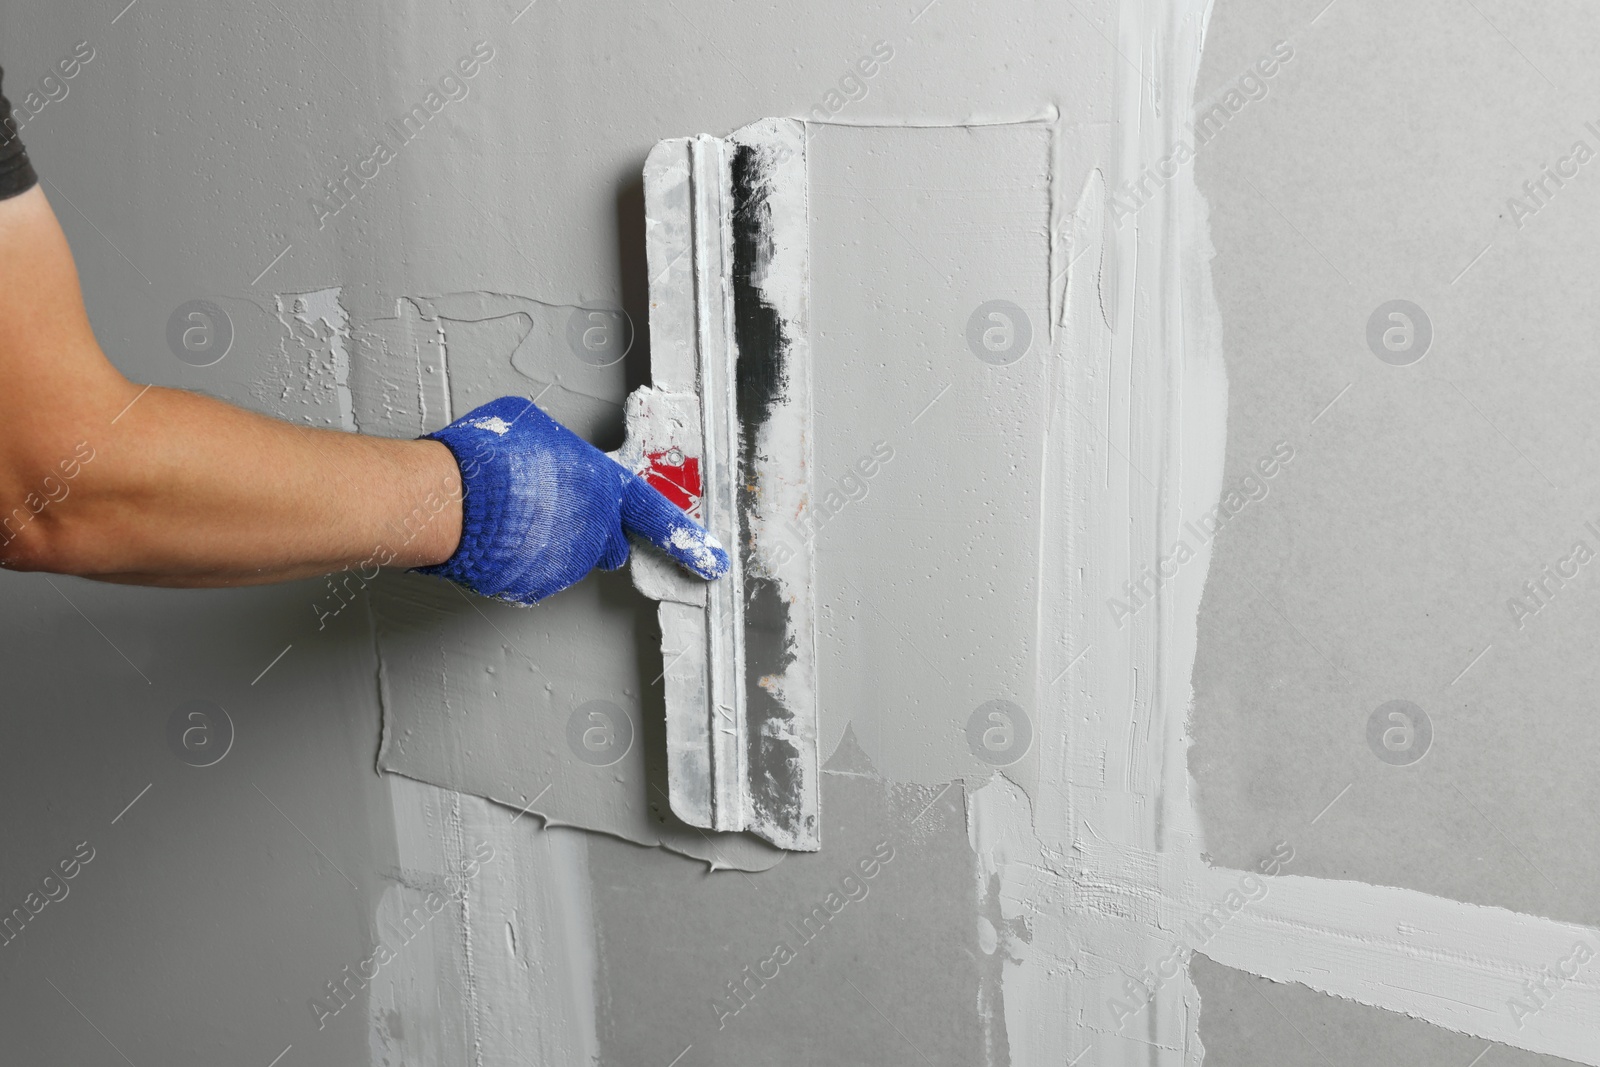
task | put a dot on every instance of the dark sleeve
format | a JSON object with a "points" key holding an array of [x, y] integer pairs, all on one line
{"points": [[16, 173]]}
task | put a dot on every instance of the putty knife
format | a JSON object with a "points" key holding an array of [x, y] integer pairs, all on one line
{"points": [[725, 432]]}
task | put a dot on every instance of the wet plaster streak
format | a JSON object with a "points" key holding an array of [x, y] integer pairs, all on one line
{"points": [[505, 973], [1102, 861]]}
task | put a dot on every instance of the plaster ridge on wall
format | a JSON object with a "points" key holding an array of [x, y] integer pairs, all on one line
{"points": [[457, 851], [513, 980], [1134, 438], [711, 857], [1049, 114], [1390, 948]]}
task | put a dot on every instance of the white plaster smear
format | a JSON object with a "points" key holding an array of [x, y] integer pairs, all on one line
{"points": [[1098, 908], [1456, 965], [1102, 857], [505, 974]]}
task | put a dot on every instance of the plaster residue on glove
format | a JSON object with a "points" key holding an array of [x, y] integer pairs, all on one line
{"points": [[542, 508], [702, 550]]}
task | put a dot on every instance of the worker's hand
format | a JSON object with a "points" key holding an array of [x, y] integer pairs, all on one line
{"points": [[542, 507]]}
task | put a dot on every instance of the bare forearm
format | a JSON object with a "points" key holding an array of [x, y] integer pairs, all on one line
{"points": [[103, 478], [184, 490]]}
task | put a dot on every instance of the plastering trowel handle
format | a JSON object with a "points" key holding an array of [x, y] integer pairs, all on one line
{"points": [[664, 447], [541, 508]]}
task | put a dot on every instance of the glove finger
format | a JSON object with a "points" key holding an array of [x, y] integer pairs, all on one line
{"points": [[616, 552], [658, 520]]}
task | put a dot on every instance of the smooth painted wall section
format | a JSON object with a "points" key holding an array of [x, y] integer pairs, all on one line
{"points": [[1252, 1022], [1427, 542]]}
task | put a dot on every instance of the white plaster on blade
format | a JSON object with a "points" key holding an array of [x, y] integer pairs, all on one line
{"points": [[783, 473], [715, 754]]}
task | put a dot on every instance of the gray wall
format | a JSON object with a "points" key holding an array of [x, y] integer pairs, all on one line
{"points": [[1385, 559], [187, 161]]}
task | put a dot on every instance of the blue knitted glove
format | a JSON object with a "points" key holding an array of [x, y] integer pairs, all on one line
{"points": [[542, 507]]}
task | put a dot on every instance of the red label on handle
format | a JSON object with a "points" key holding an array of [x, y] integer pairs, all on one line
{"points": [[676, 477]]}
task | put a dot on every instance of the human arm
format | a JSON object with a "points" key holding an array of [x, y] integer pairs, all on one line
{"points": [[183, 490]]}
